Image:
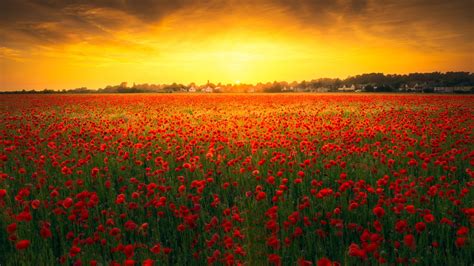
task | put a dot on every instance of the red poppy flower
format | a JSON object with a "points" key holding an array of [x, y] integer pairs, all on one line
{"points": [[324, 262], [378, 211], [409, 241], [429, 218], [3, 193], [462, 231], [420, 226], [11, 228], [67, 203], [22, 244], [148, 262], [261, 195], [156, 249], [460, 242], [274, 259]]}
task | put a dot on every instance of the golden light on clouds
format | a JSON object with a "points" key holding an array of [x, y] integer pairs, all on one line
{"points": [[69, 44]]}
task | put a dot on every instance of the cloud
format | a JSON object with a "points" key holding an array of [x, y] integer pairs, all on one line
{"points": [[53, 21], [442, 25]]}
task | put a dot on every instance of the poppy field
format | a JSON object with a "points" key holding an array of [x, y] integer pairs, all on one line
{"points": [[235, 179]]}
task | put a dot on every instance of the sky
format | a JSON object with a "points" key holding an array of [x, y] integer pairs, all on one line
{"points": [[64, 44]]}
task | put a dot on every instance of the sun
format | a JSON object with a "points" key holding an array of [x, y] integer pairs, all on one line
{"points": [[237, 82]]}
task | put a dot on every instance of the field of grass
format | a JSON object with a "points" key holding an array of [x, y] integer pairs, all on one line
{"points": [[335, 179]]}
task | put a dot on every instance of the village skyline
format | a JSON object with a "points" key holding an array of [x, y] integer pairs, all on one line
{"points": [[449, 82]]}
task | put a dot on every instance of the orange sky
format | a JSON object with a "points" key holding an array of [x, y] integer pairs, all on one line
{"points": [[67, 44]]}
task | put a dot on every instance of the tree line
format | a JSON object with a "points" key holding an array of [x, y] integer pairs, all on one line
{"points": [[369, 82]]}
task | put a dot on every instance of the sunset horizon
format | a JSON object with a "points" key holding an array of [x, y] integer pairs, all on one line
{"points": [[236, 132], [69, 44]]}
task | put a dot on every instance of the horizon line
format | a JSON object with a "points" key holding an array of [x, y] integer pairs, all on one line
{"points": [[235, 83]]}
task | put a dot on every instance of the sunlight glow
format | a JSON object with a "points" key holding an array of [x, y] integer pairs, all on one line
{"points": [[244, 45]]}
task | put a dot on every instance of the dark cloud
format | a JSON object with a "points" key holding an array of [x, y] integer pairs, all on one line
{"points": [[358, 5], [316, 7], [148, 10], [438, 24], [29, 21], [25, 22]]}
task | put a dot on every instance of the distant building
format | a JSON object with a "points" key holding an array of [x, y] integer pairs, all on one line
{"points": [[208, 89], [300, 89], [418, 88], [347, 89], [459, 89], [192, 89], [404, 87], [321, 89]]}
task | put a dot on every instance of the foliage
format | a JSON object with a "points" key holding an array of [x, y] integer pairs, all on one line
{"points": [[236, 179]]}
